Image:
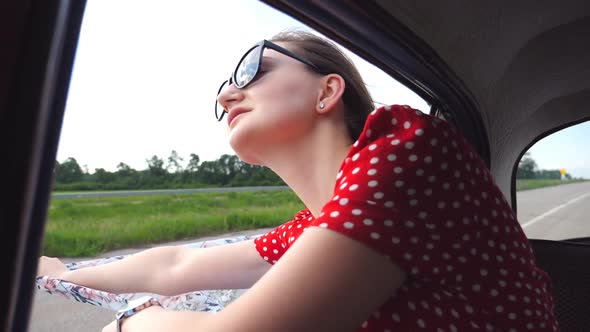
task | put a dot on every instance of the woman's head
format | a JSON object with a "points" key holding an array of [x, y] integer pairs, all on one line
{"points": [[328, 58], [283, 82]]}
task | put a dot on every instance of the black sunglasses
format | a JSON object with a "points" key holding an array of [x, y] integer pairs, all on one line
{"points": [[249, 67]]}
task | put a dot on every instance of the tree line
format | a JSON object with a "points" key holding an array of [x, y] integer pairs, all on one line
{"points": [[170, 173], [528, 169], [226, 171]]}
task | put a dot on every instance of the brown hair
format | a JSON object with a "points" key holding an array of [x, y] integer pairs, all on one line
{"points": [[330, 59]]}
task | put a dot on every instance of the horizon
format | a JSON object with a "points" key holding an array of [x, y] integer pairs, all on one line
{"points": [[185, 162]]}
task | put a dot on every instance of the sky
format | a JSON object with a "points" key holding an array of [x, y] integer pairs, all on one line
{"points": [[146, 74]]}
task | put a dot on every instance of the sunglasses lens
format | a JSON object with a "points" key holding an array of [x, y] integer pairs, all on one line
{"points": [[248, 67]]}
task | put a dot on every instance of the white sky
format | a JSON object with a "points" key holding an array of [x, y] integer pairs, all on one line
{"points": [[147, 72]]}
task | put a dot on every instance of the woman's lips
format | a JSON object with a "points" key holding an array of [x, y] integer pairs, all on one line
{"points": [[234, 113]]}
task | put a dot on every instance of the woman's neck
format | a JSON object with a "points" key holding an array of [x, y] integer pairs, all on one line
{"points": [[310, 165]]}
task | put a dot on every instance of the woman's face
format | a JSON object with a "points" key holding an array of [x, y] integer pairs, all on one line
{"points": [[278, 107]]}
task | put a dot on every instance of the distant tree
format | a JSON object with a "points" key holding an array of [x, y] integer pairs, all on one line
{"points": [[210, 172], [102, 176], [68, 171], [527, 167], [193, 164], [230, 165], [124, 169], [174, 162], [549, 174], [156, 166]]}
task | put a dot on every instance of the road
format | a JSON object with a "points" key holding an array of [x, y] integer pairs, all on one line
{"points": [[160, 192], [555, 213], [549, 213]]}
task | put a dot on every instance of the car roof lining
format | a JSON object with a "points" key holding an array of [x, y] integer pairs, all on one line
{"points": [[528, 76]]}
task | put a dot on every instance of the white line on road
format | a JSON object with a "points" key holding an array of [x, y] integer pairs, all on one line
{"points": [[555, 209]]}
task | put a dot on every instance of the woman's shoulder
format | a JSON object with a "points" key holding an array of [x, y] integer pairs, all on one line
{"points": [[303, 214], [390, 119], [401, 127]]}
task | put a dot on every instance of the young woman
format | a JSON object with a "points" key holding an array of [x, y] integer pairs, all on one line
{"points": [[404, 228]]}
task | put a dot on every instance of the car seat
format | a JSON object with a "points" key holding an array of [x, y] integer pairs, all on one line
{"points": [[568, 264]]}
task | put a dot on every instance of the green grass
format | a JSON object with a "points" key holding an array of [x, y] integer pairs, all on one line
{"points": [[90, 226], [540, 183]]}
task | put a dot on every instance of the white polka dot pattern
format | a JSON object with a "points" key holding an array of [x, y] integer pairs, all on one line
{"points": [[414, 190]]}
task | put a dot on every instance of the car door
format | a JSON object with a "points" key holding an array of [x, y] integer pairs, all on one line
{"points": [[38, 41]]}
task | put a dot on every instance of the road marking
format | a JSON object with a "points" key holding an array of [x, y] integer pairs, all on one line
{"points": [[555, 209]]}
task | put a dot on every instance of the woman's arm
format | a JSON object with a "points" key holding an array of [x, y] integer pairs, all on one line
{"points": [[324, 282], [171, 270], [233, 266]]}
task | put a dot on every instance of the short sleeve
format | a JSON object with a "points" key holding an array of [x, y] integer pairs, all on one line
{"points": [[272, 245], [403, 190]]}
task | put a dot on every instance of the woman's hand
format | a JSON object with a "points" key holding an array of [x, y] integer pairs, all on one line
{"points": [[51, 267]]}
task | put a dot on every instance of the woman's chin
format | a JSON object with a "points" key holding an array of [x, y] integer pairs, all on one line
{"points": [[249, 159], [244, 149]]}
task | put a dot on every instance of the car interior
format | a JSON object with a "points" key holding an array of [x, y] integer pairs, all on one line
{"points": [[505, 73]]}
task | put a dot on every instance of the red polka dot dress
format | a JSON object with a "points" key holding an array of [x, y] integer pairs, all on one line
{"points": [[411, 188]]}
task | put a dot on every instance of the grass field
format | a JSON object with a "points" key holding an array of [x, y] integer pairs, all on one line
{"points": [[89, 226], [540, 183]]}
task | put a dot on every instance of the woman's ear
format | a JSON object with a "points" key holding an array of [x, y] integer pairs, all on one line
{"points": [[331, 90]]}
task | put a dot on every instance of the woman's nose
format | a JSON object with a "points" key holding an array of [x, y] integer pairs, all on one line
{"points": [[229, 95]]}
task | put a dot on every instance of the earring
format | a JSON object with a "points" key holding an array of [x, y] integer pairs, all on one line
{"points": [[322, 105]]}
